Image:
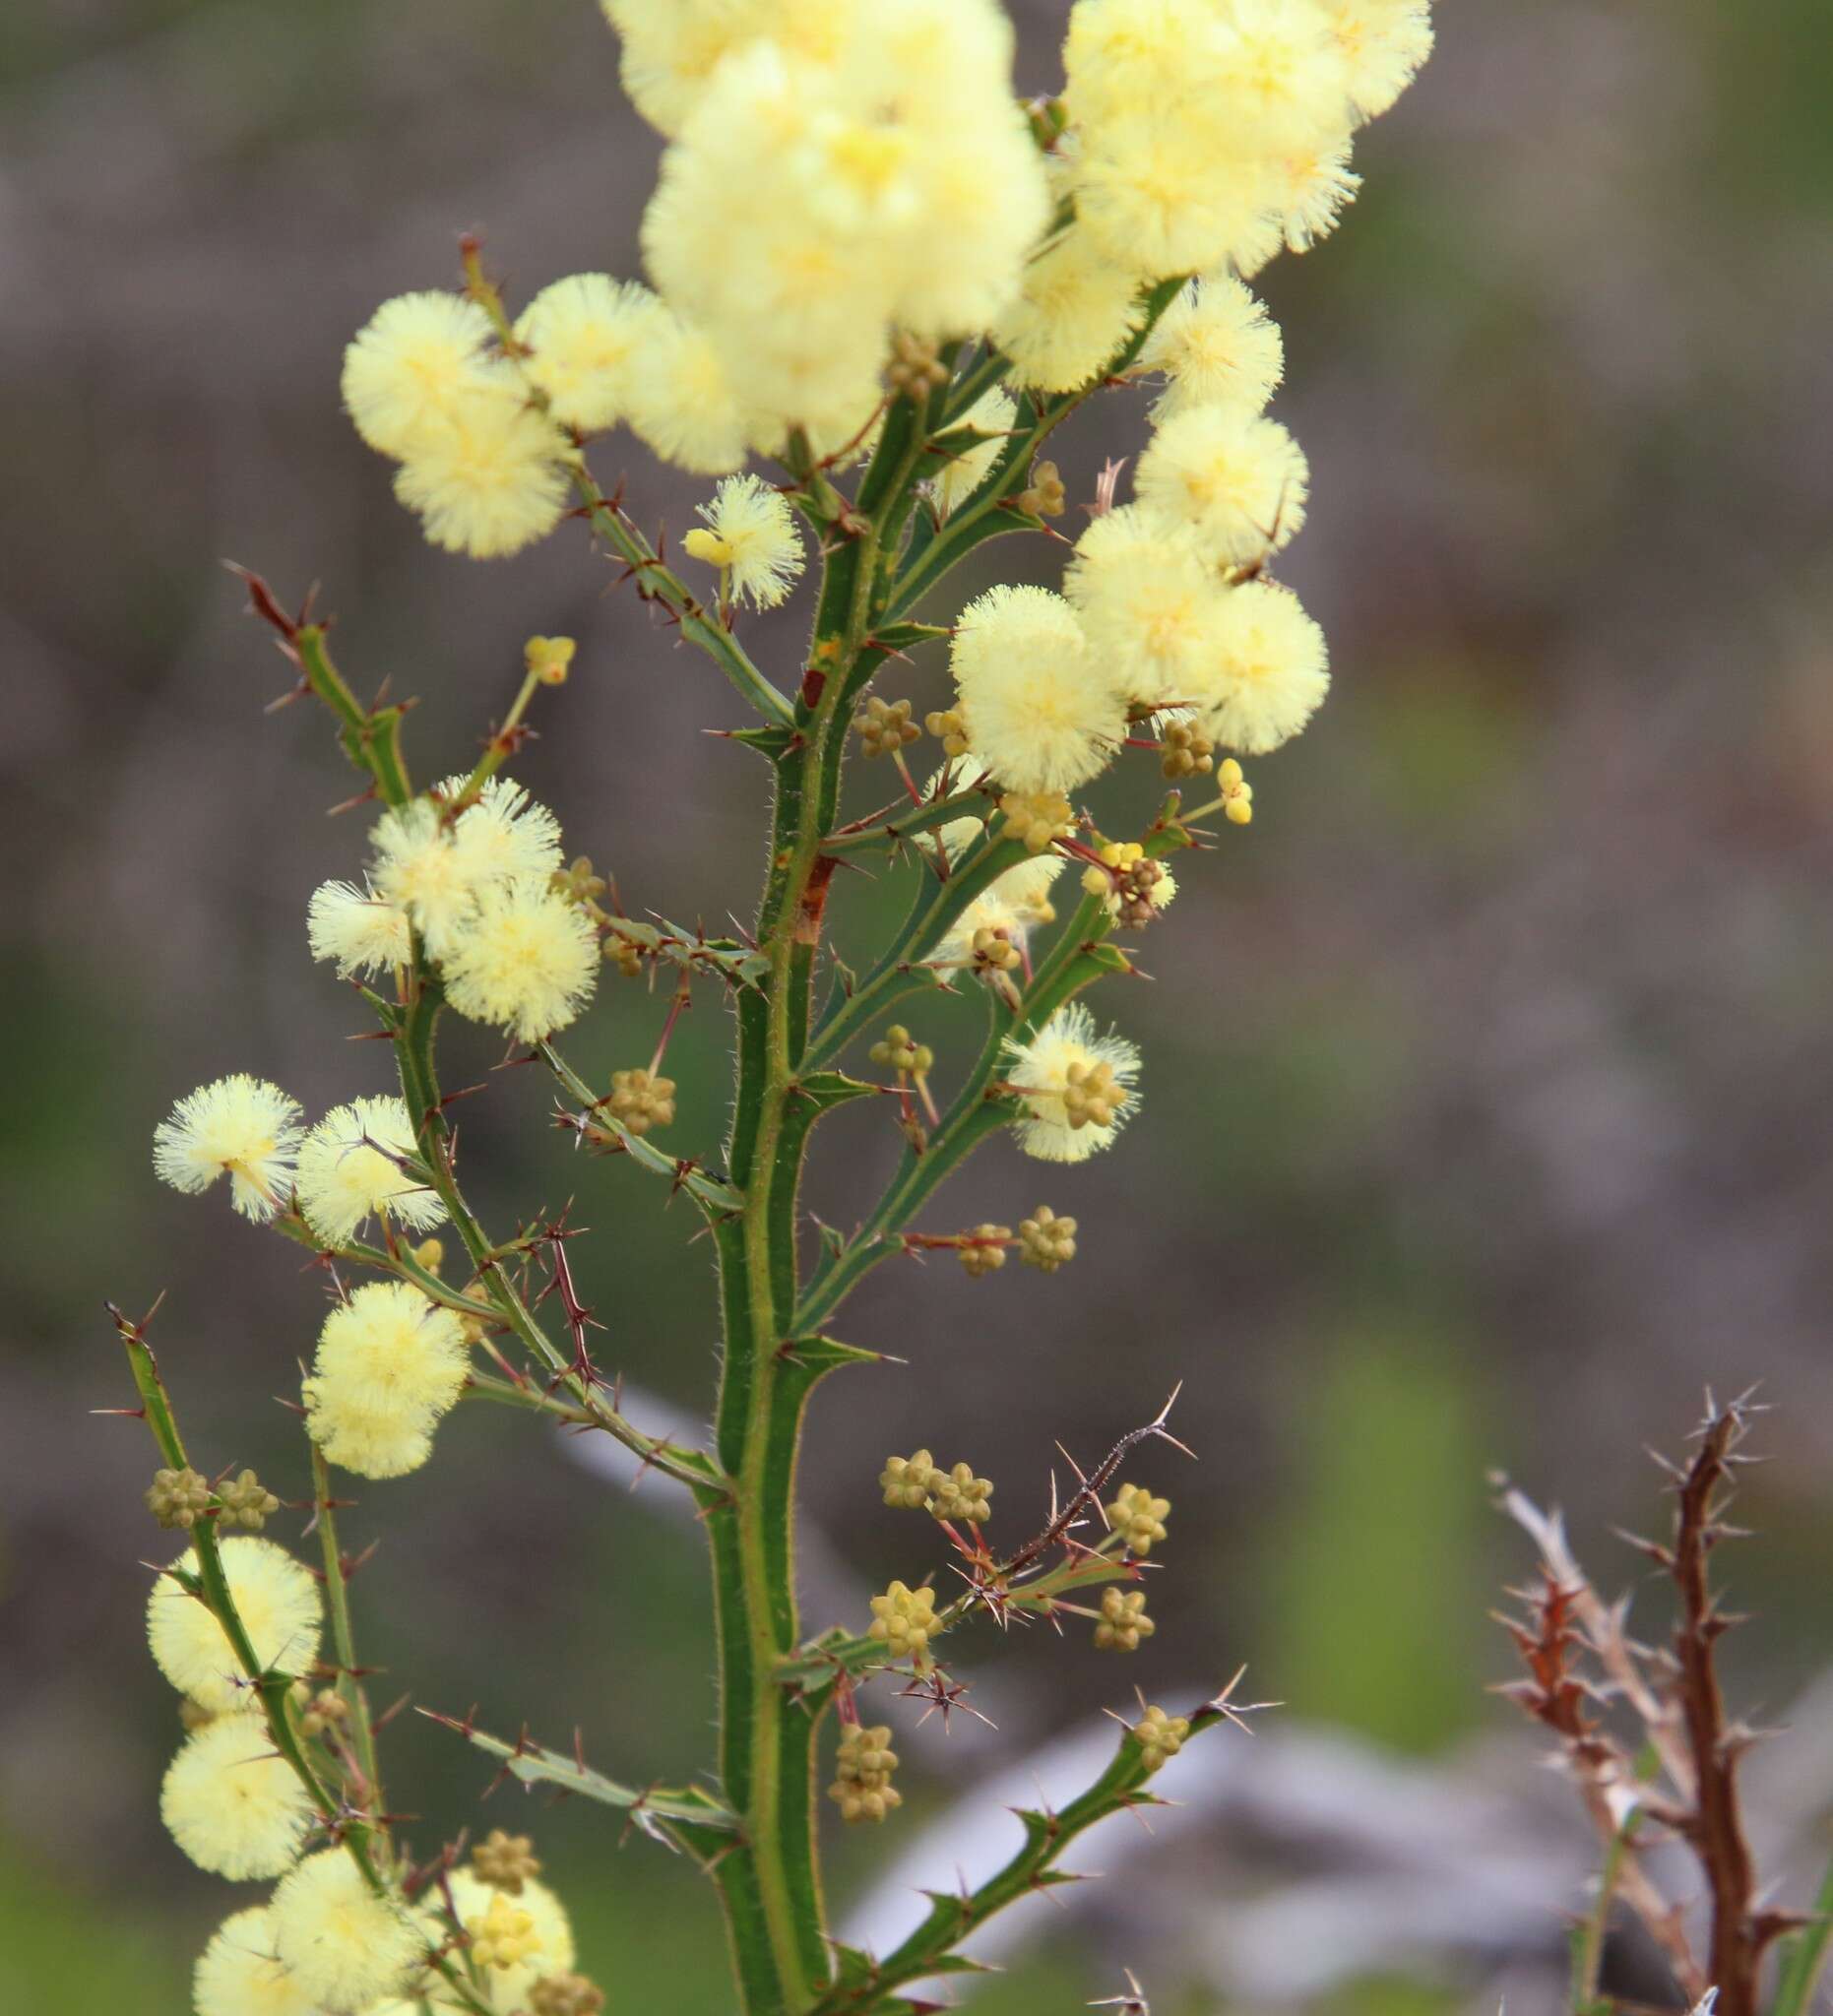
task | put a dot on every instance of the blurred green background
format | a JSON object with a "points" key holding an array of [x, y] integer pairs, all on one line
{"points": [[1488, 1074]]}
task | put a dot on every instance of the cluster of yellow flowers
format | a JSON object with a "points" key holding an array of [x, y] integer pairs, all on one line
{"points": [[841, 174], [326, 1944], [479, 889]]}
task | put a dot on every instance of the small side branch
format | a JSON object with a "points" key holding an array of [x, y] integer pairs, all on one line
{"points": [[863, 1983], [683, 1817]]}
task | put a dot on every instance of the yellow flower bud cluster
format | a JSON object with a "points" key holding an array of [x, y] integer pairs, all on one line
{"points": [[1046, 1240], [549, 658], [1138, 1518], [178, 1497], [904, 1621], [983, 1249], [900, 1052], [1185, 750], [1044, 496], [905, 1481], [1123, 1620], [991, 951], [959, 1494], [885, 727], [577, 882], [507, 1936], [915, 368], [1036, 818], [506, 1861], [1238, 794], [625, 954], [325, 1710], [950, 729], [862, 1788], [1159, 1735], [246, 1502], [1135, 886], [641, 1100], [918, 1484], [565, 1994], [1092, 1095]]}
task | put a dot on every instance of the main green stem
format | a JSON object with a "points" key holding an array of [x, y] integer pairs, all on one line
{"points": [[771, 1884]]}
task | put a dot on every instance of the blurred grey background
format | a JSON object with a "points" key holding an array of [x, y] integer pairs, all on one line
{"points": [[1488, 1074]]}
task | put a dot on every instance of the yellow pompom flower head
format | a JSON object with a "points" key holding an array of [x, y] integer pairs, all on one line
{"points": [[490, 480], [1041, 709], [239, 1127], [233, 1804], [360, 1159], [414, 367], [343, 1944], [1217, 346], [358, 930], [241, 1974], [1267, 677], [525, 961], [279, 1608], [751, 536], [1237, 481], [515, 1941], [1148, 598], [579, 338], [390, 1364]]}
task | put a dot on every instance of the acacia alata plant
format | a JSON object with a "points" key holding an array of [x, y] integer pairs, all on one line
{"points": [[883, 276]]}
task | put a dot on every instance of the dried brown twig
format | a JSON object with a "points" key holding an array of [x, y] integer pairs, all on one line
{"points": [[1581, 1662]]}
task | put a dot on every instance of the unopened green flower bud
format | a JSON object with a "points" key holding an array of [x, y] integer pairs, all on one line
{"points": [[549, 658]]}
